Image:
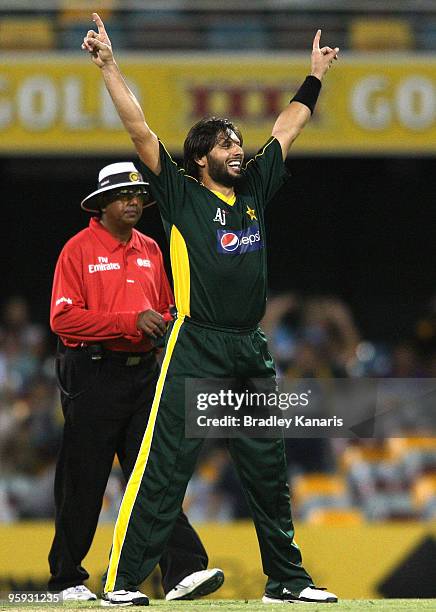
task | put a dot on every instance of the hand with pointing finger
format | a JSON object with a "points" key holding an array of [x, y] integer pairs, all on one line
{"points": [[322, 58], [98, 44]]}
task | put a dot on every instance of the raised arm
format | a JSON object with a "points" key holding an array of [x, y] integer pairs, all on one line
{"points": [[99, 46], [294, 117]]}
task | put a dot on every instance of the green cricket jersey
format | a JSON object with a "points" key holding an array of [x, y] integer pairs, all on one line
{"points": [[217, 245]]}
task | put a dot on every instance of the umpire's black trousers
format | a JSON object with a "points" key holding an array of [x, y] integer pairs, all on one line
{"points": [[106, 410]]}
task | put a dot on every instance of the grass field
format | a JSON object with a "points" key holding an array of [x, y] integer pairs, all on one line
{"points": [[238, 606]]}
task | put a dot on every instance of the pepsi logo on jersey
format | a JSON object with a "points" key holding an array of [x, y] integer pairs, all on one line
{"points": [[238, 242]]}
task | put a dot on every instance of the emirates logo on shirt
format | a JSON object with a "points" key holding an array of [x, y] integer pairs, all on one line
{"points": [[103, 265]]}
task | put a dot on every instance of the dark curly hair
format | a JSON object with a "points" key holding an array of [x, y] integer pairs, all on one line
{"points": [[202, 138]]}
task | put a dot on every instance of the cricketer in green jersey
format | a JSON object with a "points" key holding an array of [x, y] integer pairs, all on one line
{"points": [[213, 213]]}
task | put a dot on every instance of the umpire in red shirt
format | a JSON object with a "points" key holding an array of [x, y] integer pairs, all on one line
{"points": [[110, 304]]}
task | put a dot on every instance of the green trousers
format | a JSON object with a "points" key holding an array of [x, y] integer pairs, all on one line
{"points": [[167, 459]]}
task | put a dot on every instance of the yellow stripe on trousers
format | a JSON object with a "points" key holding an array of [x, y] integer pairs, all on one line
{"points": [[135, 479]]}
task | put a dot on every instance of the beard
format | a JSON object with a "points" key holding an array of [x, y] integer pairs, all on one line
{"points": [[220, 174]]}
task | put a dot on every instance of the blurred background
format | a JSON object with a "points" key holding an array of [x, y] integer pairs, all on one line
{"points": [[351, 254]]}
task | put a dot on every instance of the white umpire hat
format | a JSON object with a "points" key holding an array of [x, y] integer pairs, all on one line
{"points": [[111, 177]]}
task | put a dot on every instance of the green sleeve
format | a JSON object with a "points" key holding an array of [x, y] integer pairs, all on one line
{"points": [[167, 188], [266, 172]]}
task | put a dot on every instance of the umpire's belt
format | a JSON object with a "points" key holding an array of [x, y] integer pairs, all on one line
{"points": [[97, 352], [128, 359]]}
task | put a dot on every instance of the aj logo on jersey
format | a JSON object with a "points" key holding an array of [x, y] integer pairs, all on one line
{"points": [[220, 216], [237, 242]]}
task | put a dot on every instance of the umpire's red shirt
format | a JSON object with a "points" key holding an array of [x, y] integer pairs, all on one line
{"points": [[100, 285]]}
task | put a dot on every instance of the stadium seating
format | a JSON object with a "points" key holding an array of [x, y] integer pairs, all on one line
{"points": [[179, 27], [319, 490], [424, 496], [373, 453], [389, 506], [249, 33], [384, 476], [157, 30], [335, 516], [26, 33], [375, 34], [416, 454], [73, 23]]}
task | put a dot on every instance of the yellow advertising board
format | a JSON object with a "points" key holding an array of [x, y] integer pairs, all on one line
{"points": [[350, 561], [58, 104]]}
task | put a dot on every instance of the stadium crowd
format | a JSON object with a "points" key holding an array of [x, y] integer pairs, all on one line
{"points": [[310, 337]]}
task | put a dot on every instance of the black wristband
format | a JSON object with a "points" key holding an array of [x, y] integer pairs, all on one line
{"points": [[308, 92]]}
